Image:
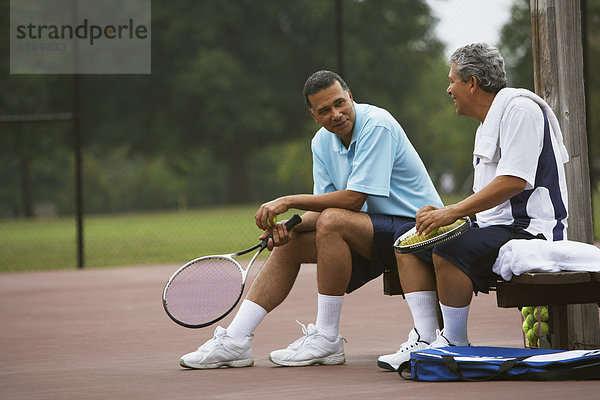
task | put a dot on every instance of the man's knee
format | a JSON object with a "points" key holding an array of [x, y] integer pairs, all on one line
{"points": [[354, 228], [406, 262], [410, 266], [331, 220], [446, 268], [441, 264]]}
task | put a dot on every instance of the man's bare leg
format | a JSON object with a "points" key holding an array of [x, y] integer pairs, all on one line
{"points": [[415, 274], [339, 231], [455, 287], [277, 276]]}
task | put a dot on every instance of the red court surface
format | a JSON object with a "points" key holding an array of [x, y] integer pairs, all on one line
{"points": [[102, 334]]}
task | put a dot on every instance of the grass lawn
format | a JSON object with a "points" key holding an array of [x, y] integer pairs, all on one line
{"points": [[139, 238], [128, 239]]}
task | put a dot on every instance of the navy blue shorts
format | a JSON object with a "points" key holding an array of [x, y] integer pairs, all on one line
{"points": [[386, 229], [475, 251]]}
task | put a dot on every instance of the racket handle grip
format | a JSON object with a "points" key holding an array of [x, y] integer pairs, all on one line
{"points": [[292, 222], [289, 224]]}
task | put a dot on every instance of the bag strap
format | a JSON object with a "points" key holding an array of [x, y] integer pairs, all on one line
{"points": [[450, 362], [404, 370]]}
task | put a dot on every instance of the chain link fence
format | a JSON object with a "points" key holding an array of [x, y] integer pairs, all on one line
{"points": [[112, 170]]}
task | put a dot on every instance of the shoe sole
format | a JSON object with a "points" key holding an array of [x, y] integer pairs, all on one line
{"points": [[384, 365], [390, 367], [331, 360], [229, 364]]}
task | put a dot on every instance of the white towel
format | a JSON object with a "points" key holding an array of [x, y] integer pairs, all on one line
{"points": [[488, 133], [537, 255]]}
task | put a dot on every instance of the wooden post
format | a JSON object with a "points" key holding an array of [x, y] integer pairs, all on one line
{"points": [[558, 74]]}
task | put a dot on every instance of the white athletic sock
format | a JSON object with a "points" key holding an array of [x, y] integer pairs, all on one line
{"points": [[328, 315], [423, 307], [455, 324], [247, 319]]}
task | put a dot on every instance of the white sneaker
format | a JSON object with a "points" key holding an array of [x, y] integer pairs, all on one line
{"points": [[393, 361], [441, 341], [220, 351], [311, 349]]}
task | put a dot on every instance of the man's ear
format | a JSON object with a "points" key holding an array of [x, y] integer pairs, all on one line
{"points": [[350, 95], [473, 84]]}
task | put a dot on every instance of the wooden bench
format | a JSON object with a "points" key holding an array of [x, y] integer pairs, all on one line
{"points": [[555, 290], [543, 288]]}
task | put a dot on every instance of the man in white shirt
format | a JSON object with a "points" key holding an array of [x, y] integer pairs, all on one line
{"points": [[519, 192]]}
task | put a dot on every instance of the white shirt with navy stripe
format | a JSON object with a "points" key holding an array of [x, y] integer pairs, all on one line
{"points": [[526, 149]]}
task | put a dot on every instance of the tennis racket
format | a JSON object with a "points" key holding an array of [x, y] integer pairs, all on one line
{"points": [[206, 289], [410, 241]]}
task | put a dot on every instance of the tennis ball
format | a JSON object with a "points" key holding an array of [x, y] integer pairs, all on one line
{"points": [[541, 313], [531, 338], [274, 221], [526, 327], [529, 320], [540, 328], [525, 311]]}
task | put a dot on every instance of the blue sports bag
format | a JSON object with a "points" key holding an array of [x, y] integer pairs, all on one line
{"points": [[478, 363]]}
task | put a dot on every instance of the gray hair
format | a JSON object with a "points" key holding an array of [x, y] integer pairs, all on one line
{"points": [[482, 61], [321, 80]]}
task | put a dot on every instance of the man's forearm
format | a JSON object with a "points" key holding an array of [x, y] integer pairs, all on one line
{"points": [[497, 192], [346, 199]]}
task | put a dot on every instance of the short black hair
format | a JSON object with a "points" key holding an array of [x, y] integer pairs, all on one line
{"points": [[321, 80]]}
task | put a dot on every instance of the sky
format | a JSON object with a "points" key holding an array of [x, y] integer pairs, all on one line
{"points": [[467, 21]]}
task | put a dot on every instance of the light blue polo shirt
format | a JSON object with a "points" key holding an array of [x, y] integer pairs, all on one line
{"points": [[380, 162]]}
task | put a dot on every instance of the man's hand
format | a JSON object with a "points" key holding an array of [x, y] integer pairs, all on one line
{"points": [[280, 235], [501, 189], [430, 218], [346, 199], [266, 212]]}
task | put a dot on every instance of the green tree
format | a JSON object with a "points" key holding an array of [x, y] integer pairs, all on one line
{"points": [[227, 81], [26, 148], [515, 46], [221, 118]]}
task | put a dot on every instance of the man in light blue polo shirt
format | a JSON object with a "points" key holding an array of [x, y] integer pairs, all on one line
{"points": [[380, 161], [368, 184]]}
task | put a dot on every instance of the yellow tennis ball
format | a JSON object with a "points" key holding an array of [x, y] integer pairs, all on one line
{"points": [[531, 338], [529, 320], [541, 314], [269, 222], [540, 328], [525, 311], [526, 327]]}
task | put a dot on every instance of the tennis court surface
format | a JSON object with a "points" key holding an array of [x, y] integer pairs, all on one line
{"points": [[102, 334]]}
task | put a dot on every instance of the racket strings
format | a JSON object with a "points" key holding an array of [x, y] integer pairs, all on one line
{"points": [[204, 290], [416, 238], [411, 242]]}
